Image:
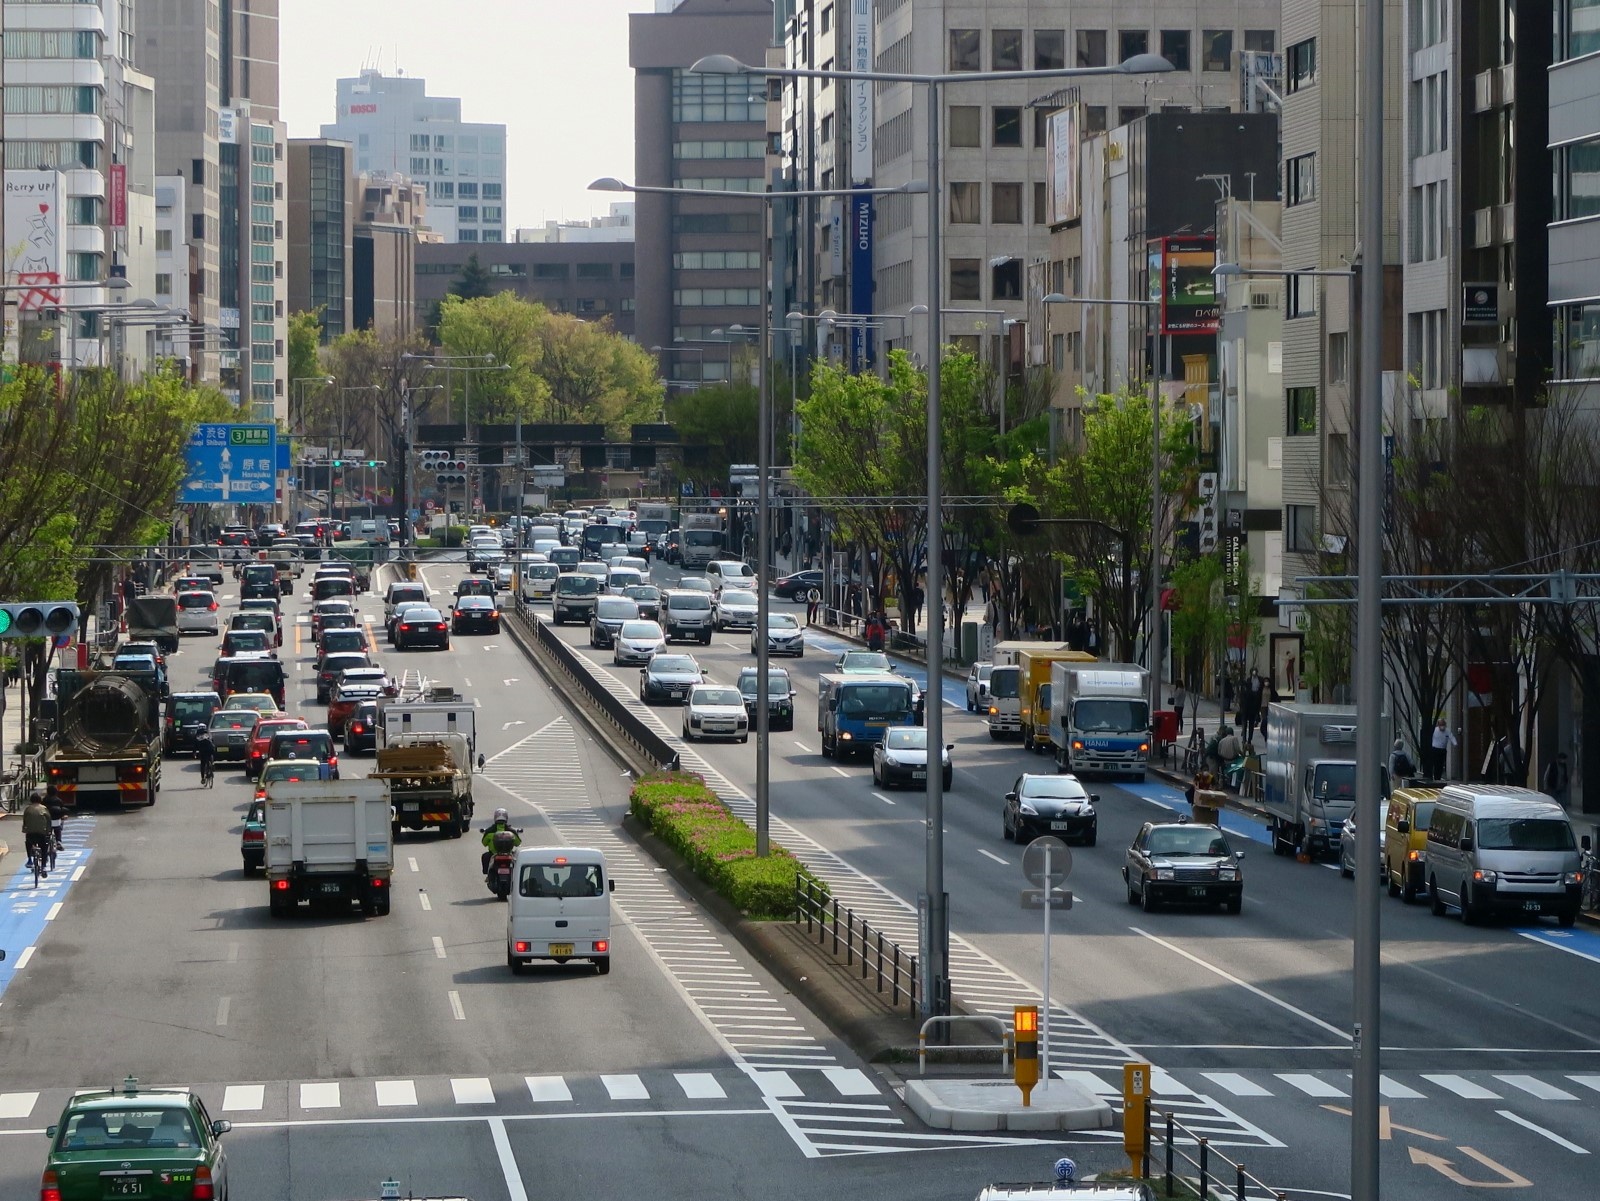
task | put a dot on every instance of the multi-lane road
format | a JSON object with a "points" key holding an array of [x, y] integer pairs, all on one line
{"points": [[345, 1051]]}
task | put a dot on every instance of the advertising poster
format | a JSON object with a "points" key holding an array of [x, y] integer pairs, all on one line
{"points": [[861, 115], [1061, 148], [1189, 290], [35, 232]]}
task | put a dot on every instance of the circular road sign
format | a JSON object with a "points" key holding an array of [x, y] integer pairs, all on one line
{"points": [[1033, 862]]}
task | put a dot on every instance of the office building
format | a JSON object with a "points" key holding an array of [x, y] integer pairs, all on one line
{"points": [[592, 280], [390, 222], [699, 258], [398, 129], [615, 226], [1574, 237], [321, 232]]}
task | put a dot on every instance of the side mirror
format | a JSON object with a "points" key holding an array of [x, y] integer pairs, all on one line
{"points": [[1238, 854], [1403, 826], [612, 884], [1466, 842], [949, 746], [833, 704], [221, 1126], [1011, 796], [1094, 798], [50, 1131]]}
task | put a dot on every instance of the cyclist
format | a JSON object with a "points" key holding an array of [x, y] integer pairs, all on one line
{"points": [[58, 818], [501, 828], [36, 831], [206, 752]]}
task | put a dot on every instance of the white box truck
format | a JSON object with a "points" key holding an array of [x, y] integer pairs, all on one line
{"points": [[438, 711], [1100, 718], [1309, 766], [703, 540], [328, 845]]}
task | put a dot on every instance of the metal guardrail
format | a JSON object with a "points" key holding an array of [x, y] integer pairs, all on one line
{"points": [[880, 957], [1007, 1039], [18, 784], [1214, 1167]]}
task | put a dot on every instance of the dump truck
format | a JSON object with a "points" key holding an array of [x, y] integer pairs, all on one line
{"points": [[430, 782], [1033, 675], [1100, 718], [329, 846], [107, 745], [1309, 767]]}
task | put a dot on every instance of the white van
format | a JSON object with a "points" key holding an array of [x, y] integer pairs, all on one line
{"points": [[560, 907], [1496, 849], [539, 581]]}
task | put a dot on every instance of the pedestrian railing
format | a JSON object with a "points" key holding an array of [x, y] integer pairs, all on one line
{"points": [[1004, 1044], [18, 783], [882, 960], [1182, 1151]]}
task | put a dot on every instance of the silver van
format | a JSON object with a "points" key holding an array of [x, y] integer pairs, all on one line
{"points": [[1494, 849]]}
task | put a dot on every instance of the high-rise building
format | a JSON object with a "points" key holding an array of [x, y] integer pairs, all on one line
{"points": [[398, 129], [321, 231], [390, 222], [1574, 240], [699, 259]]}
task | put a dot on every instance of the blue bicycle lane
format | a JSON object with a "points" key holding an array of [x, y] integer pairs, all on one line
{"points": [[26, 909]]}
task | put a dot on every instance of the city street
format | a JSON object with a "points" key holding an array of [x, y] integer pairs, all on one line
{"points": [[1246, 1018], [149, 953]]}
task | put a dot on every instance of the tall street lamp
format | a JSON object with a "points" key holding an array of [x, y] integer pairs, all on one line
{"points": [[763, 460], [935, 925]]}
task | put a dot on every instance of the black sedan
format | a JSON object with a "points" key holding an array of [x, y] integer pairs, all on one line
{"points": [[794, 587], [1183, 863], [421, 627], [780, 697], [478, 613], [361, 731], [1050, 804], [669, 678]]}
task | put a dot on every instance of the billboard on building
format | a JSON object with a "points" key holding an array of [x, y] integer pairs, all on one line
{"points": [[227, 125], [861, 115], [118, 199], [35, 233], [1061, 151], [860, 231], [1188, 289]]}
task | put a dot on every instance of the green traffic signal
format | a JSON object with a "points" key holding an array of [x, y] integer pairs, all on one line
{"points": [[5, 620], [338, 462], [372, 462]]}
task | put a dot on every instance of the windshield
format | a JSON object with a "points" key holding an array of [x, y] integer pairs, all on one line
{"points": [[128, 1128], [673, 663], [259, 676], [1196, 840], [640, 629], [864, 661], [782, 621], [1111, 717], [738, 598], [1052, 788], [690, 600], [718, 696], [777, 685], [909, 739], [702, 537], [1524, 834], [541, 571], [574, 584], [400, 595], [309, 770], [643, 592], [235, 719], [192, 710], [1335, 782], [560, 880], [194, 600], [1003, 683], [875, 702], [618, 608]]}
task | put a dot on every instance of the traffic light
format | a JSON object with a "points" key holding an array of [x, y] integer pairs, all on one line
{"points": [[38, 619], [338, 462]]}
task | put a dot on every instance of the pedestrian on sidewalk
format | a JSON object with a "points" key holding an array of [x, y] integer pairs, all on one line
{"points": [[813, 603], [1180, 700], [917, 599], [1556, 778], [1443, 740], [1400, 766]]}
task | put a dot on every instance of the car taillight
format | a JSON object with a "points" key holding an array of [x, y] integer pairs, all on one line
{"points": [[203, 1190], [213, 606], [333, 760], [602, 946], [280, 886], [255, 836], [440, 626], [521, 947], [405, 625], [49, 1186]]}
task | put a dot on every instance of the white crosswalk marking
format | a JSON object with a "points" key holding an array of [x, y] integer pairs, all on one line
{"points": [[1587, 1081], [472, 1090], [700, 1086], [396, 1092], [1162, 1083], [1396, 1091], [851, 1082], [1535, 1087], [1311, 1086], [1236, 1084], [778, 1084], [248, 1097], [548, 1088], [1089, 1081], [625, 1087], [17, 1105], [322, 1095], [1462, 1087]]}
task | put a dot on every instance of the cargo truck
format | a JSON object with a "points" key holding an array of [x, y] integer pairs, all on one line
{"points": [[154, 618], [1310, 776], [703, 540], [107, 745], [328, 845], [1100, 718], [436, 710], [1033, 675], [430, 782]]}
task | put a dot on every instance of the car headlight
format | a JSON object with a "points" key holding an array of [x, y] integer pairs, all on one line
{"points": [[694, 719], [1483, 877], [1163, 873], [1572, 877], [844, 735], [1026, 809], [1227, 873]]}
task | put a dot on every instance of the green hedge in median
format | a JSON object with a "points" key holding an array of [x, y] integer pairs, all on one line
{"points": [[721, 849]]}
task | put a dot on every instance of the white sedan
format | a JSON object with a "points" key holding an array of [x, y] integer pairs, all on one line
{"points": [[734, 607], [715, 711], [784, 635], [637, 642]]}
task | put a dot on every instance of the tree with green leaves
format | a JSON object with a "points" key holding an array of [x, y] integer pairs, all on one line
{"points": [[305, 339], [474, 282], [717, 425], [506, 386]]}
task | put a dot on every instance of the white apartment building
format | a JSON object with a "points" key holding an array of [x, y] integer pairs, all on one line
{"points": [[396, 127], [615, 226]]}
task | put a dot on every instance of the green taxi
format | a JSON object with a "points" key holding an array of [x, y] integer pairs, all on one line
{"points": [[152, 1143]]}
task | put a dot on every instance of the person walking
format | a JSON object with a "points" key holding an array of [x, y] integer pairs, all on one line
{"points": [[1400, 766], [1442, 741], [1250, 703], [1556, 778], [813, 603], [1180, 700]]}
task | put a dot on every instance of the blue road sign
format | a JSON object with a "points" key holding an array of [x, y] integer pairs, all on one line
{"points": [[231, 464]]}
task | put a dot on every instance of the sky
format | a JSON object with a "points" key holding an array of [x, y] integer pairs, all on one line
{"points": [[555, 72]]}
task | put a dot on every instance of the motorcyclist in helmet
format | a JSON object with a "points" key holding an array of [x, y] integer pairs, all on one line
{"points": [[500, 828], [205, 750]]}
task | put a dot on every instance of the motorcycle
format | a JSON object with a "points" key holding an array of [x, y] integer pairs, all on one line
{"points": [[501, 857]]}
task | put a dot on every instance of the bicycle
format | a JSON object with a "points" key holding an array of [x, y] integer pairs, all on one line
{"points": [[38, 848], [1590, 866], [208, 773]]}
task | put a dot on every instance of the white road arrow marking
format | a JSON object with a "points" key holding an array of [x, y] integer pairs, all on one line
{"points": [[511, 681], [509, 724]]}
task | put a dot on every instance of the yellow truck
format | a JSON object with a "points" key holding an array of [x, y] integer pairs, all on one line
{"points": [[1033, 677]]}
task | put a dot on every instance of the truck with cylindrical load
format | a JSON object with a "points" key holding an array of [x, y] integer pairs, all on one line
{"points": [[1033, 678], [328, 845], [1100, 718], [430, 781], [107, 744], [1309, 776]]}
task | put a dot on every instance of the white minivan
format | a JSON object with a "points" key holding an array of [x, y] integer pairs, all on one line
{"points": [[539, 581], [1495, 849], [560, 907]]}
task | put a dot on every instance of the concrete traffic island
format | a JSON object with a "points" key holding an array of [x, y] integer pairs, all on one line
{"points": [[954, 1104]]}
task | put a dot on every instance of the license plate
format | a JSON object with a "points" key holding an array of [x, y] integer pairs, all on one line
{"points": [[1061, 825], [1197, 890], [124, 1186], [1532, 906], [410, 806], [919, 775], [333, 888], [561, 949]]}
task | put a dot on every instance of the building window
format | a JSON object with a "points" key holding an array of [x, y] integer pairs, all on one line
{"points": [[966, 125], [1007, 125], [1577, 337], [1094, 118], [695, 98], [1300, 180], [1005, 49], [825, 133], [1041, 128], [1301, 67], [965, 282], [491, 191], [1007, 279], [1049, 50], [594, 270], [1127, 114], [1338, 357], [1578, 177], [1299, 295], [420, 142], [1302, 411], [466, 212], [163, 241], [1300, 529], [197, 226], [1217, 50], [467, 191], [1578, 27], [1091, 46], [1261, 41], [1131, 42], [549, 271], [1429, 23], [966, 50], [163, 283], [966, 203], [1175, 48], [1005, 203], [1041, 204]]}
